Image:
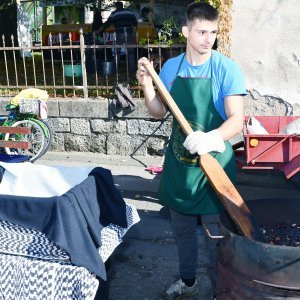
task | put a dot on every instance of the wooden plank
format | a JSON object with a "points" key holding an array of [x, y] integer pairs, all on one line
{"points": [[15, 130], [13, 144]]}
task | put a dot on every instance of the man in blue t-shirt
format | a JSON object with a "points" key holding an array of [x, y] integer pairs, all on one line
{"points": [[208, 88]]}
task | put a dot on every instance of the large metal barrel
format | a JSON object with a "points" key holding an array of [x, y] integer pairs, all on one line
{"points": [[252, 270]]}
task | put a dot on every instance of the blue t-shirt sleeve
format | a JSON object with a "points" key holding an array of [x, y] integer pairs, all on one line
{"points": [[233, 81], [228, 81]]}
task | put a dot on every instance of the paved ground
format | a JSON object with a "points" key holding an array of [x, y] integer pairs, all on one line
{"points": [[145, 264]]}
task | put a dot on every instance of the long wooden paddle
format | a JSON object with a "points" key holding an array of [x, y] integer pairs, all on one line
{"points": [[216, 175]]}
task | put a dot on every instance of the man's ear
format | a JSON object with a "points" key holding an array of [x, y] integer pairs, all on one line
{"points": [[185, 31]]}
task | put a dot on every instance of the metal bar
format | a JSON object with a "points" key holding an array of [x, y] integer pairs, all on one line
{"points": [[63, 65], [48, 86], [84, 77], [43, 67], [72, 63], [95, 62], [51, 53], [15, 63], [151, 46], [106, 76], [137, 57], [116, 57], [24, 65], [33, 61], [126, 53], [5, 61]]}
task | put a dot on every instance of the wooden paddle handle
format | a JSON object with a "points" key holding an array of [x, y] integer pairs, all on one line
{"points": [[169, 100], [216, 175]]}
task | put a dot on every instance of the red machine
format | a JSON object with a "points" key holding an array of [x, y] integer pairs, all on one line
{"points": [[273, 150]]}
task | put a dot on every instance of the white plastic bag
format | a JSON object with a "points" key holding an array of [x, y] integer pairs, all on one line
{"points": [[291, 128], [255, 127]]}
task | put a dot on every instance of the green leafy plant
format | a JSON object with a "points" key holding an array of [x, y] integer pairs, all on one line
{"points": [[167, 32], [143, 41]]}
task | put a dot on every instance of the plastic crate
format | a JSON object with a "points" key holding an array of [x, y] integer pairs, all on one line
{"points": [[272, 147]]}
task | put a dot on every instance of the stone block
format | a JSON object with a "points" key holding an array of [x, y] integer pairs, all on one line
{"points": [[75, 142], [83, 108], [60, 124], [58, 142], [53, 109], [118, 144], [98, 143], [80, 126], [156, 146], [147, 127], [108, 126]]}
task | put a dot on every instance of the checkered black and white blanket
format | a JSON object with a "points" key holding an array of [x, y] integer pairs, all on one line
{"points": [[33, 267]]}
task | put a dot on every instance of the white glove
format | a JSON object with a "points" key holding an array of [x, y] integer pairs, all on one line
{"points": [[202, 143]]}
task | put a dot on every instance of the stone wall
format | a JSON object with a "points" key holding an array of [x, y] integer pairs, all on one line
{"points": [[91, 126]]}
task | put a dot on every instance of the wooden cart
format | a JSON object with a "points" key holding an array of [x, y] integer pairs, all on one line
{"points": [[272, 150]]}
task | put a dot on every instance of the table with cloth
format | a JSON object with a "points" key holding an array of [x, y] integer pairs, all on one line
{"points": [[58, 226]]}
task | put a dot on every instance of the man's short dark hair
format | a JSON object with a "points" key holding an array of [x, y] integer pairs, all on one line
{"points": [[201, 11]]}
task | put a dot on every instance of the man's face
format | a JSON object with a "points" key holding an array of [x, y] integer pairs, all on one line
{"points": [[200, 35]]}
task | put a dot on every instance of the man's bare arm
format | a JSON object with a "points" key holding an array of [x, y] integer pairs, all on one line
{"points": [[153, 102], [234, 111]]}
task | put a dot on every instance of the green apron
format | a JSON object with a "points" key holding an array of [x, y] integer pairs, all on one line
{"points": [[183, 186]]}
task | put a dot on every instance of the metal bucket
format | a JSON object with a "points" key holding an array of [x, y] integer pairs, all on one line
{"points": [[70, 71], [251, 270]]}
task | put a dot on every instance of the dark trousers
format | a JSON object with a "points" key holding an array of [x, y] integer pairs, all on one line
{"points": [[185, 232], [127, 38]]}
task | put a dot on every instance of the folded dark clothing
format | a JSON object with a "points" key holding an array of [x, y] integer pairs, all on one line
{"points": [[112, 204], [123, 97], [12, 158], [73, 220]]}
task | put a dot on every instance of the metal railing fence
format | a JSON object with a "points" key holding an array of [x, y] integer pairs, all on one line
{"points": [[84, 68]]}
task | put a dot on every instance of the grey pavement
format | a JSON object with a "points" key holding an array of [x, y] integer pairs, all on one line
{"points": [[145, 264]]}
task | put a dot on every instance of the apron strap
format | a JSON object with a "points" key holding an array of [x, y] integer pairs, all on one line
{"points": [[180, 64]]}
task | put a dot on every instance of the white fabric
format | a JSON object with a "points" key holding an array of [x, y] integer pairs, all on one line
{"points": [[31, 180], [112, 235], [202, 143], [255, 127], [291, 128]]}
